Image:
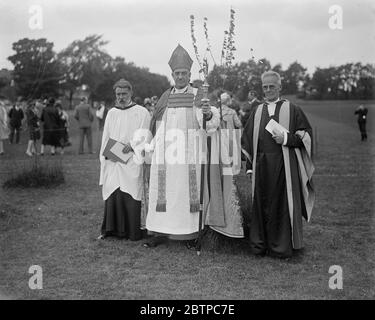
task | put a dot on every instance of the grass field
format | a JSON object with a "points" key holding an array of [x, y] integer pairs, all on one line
{"points": [[56, 228]]}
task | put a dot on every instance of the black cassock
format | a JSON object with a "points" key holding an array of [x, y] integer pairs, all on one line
{"points": [[270, 222], [122, 216]]}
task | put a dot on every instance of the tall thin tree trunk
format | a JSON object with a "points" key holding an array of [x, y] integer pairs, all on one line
{"points": [[71, 92]]}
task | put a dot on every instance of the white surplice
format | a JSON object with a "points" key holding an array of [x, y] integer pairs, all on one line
{"points": [[177, 219], [128, 125]]}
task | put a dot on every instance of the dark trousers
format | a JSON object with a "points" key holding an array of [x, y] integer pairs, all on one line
{"points": [[82, 133], [14, 130], [270, 229], [362, 128], [122, 216]]}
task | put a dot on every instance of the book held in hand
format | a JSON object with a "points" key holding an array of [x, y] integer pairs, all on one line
{"points": [[273, 127], [113, 151]]}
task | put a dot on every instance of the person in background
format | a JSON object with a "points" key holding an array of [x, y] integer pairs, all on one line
{"points": [[34, 128], [16, 116], [4, 130], [101, 115], [249, 107], [84, 116], [64, 126], [230, 161], [230, 118], [39, 105], [154, 100], [148, 105], [51, 127], [361, 111]]}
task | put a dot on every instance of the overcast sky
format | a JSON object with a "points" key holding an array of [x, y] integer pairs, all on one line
{"points": [[146, 31]]}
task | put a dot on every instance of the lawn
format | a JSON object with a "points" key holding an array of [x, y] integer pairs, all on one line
{"points": [[56, 228]]}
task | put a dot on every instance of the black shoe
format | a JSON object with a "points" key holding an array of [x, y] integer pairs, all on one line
{"points": [[258, 252], [154, 242], [191, 244], [143, 234], [276, 255]]}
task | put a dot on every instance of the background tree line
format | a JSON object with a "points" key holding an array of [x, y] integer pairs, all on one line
{"points": [[349, 81], [85, 65]]}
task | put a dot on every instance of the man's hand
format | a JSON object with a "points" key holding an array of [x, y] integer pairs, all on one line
{"points": [[278, 137], [206, 108], [127, 148]]}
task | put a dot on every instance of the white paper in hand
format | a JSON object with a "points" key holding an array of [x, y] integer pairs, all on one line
{"points": [[272, 127], [117, 150]]}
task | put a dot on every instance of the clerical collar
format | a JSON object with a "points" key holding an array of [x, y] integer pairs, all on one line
{"points": [[272, 102], [183, 90], [131, 104], [271, 107]]}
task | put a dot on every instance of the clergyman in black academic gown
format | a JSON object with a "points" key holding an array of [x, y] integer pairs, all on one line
{"points": [[282, 169]]}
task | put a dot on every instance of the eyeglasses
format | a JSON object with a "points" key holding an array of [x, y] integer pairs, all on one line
{"points": [[270, 87]]}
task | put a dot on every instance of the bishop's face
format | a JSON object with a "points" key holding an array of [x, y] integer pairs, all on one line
{"points": [[181, 78], [271, 88]]}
